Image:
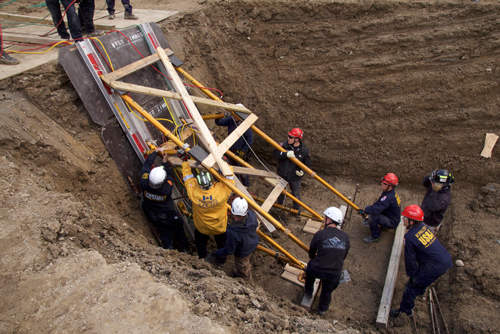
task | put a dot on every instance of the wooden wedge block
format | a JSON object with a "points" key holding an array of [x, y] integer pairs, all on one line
{"points": [[489, 143]]}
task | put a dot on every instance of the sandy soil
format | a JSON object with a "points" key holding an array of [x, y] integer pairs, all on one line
{"points": [[395, 86]]}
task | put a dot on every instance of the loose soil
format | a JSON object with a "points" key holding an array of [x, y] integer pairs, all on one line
{"points": [[377, 87]]}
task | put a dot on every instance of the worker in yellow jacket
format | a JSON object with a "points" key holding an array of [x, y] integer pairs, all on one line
{"points": [[209, 201]]}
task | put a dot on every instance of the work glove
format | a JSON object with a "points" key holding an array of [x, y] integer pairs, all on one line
{"points": [[228, 114], [290, 154], [437, 186], [299, 173], [361, 212]]}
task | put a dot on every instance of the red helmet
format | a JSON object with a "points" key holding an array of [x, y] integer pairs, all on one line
{"points": [[390, 179], [413, 212], [296, 132]]}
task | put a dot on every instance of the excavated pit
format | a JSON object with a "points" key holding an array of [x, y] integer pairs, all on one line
{"points": [[403, 87]]}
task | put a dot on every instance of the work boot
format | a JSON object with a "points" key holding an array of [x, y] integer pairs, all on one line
{"points": [[95, 33], [130, 16], [395, 313], [370, 239], [321, 312], [308, 295], [366, 222], [8, 60], [111, 16]]}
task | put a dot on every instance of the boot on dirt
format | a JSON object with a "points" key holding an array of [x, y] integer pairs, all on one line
{"points": [[8, 60], [395, 313], [130, 16], [370, 239]]}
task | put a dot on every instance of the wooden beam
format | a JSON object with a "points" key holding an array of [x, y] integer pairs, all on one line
{"points": [[131, 68], [237, 133], [170, 95], [40, 20], [237, 169], [32, 39], [391, 278], [489, 143], [195, 114], [268, 204]]}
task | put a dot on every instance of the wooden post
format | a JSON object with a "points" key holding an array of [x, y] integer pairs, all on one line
{"points": [[390, 280]]}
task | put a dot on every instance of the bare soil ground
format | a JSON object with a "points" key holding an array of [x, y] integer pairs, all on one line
{"points": [[395, 86]]}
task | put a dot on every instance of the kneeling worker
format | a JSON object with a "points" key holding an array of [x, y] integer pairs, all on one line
{"points": [[157, 204], [385, 212], [425, 259], [241, 238], [327, 252], [209, 208]]}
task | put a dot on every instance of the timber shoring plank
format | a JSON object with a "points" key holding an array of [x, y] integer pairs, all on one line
{"points": [[131, 68], [32, 39], [391, 278], [40, 20], [268, 203], [171, 95], [238, 132], [489, 143], [195, 114]]}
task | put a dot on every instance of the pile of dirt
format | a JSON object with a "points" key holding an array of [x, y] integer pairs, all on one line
{"points": [[404, 87]]}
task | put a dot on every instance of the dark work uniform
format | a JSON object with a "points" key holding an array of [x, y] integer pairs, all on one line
{"points": [[159, 208], [385, 212], [287, 169], [435, 204], [425, 260], [126, 4], [240, 147], [241, 237], [86, 15], [328, 250]]}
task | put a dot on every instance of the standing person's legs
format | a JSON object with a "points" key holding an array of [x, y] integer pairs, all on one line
{"points": [[433, 229], [220, 241], [128, 7], [86, 15], [310, 279], [200, 241], [176, 225], [243, 267], [111, 6], [327, 286], [415, 288], [295, 186]]}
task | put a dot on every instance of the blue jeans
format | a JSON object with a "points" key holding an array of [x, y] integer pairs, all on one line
{"points": [[73, 21], [125, 3], [376, 220], [329, 282]]}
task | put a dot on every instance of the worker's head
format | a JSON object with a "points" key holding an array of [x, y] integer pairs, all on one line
{"points": [[412, 215], [333, 217], [389, 182], [239, 207], [442, 176], [204, 180], [157, 177], [295, 136]]}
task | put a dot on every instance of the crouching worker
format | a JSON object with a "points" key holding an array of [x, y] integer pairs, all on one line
{"points": [[241, 239], [425, 259], [209, 208], [385, 212], [157, 204], [327, 252]]}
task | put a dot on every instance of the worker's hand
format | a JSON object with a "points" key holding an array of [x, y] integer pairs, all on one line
{"points": [[437, 186], [161, 149], [228, 114], [299, 173], [361, 212], [290, 154]]}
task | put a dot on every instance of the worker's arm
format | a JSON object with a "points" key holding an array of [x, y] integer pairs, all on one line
{"points": [[438, 201], [223, 121], [146, 166], [411, 263], [189, 180], [228, 249]]}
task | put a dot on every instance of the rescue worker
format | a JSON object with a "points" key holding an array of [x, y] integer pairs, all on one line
{"points": [[157, 204], [437, 199], [386, 211], [287, 169], [327, 253], [209, 208], [241, 239], [241, 147], [425, 259]]}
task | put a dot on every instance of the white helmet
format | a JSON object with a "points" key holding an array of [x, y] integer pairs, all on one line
{"points": [[157, 177], [239, 207], [334, 214]]}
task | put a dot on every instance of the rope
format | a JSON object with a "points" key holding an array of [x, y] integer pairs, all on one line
{"points": [[8, 3]]}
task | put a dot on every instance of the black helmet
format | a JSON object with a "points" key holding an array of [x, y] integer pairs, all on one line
{"points": [[442, 176], [205, 180]]}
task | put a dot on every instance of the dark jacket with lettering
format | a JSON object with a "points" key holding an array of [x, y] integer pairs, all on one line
{"points": [[328, 250], [435, 204], [389, 205], [240, 144], [424, 254], [156, 200], [241, 237], [286, 168]]}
